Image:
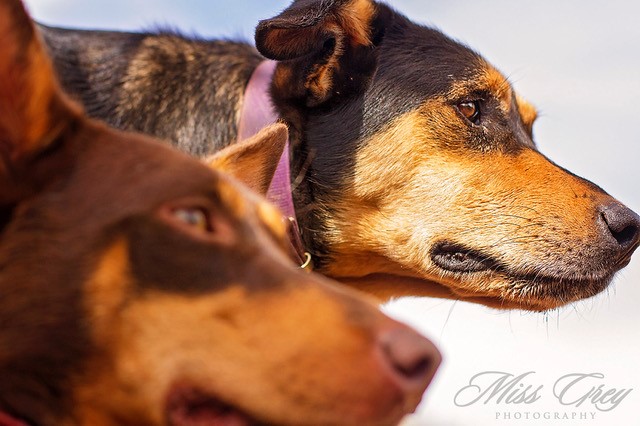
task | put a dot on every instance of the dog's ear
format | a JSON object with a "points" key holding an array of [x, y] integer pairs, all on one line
{"points": [[254, 161], [33, 111], [327, 48]]}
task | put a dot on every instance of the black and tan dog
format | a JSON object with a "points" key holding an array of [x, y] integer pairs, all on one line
{"points": [[413, 158], [139, 287]]}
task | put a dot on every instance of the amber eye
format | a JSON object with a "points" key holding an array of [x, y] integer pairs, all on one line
{"points": [[193, 217], [470, 110]]}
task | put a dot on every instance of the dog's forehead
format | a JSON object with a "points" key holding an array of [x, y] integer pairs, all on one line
{"points": [[128, 199], [154, 162], [486, 80], [150, 176], [425, 62], [430, 60], [127, 174], [418, 63]]}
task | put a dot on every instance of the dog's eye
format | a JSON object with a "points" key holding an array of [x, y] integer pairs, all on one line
{"points": [[470, 110], [193, 217]]}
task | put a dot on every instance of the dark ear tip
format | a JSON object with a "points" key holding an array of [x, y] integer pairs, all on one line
{"points": [[263, 26], [261, 38], [271, 49]]}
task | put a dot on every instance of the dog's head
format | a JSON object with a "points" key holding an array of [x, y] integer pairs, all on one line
{"points": [[424, 175], [141, 287]]}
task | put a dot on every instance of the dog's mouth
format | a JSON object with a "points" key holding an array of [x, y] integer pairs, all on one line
{"points": [[458, 259], [531, 288], [188, 406]]}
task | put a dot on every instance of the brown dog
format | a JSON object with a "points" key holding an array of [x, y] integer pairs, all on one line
{"points": [[139, 287], [413, 158]]}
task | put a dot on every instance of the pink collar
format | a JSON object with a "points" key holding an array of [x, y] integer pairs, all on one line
{"points": [[257, 113]]}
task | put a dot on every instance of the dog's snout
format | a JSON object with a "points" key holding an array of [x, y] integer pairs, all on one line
{"points": [[413, 359], [624, 226]]}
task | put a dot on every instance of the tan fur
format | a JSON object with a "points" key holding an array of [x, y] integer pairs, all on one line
{"points": [[254, 161], [34, 120], [270, 215], [527, 111], [520, 208], [155, 274], [490, 80], [498, 86], [153, 341], [355, 18], [107, 289], [320, 81], [351, 25]]}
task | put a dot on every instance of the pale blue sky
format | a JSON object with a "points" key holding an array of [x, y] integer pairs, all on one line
{"points": [[579, 62], [208, 18]]}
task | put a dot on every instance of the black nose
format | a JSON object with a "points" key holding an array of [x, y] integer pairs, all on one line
{"points": [[624, 226]]}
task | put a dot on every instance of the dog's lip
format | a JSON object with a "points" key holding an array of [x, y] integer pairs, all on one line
{"points": [[528, 287], [479, 262], [190, 406], [456, 258]]}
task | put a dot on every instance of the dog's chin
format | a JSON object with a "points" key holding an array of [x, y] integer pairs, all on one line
{"points": [[522, 287], [189, 406], [461, 273]]}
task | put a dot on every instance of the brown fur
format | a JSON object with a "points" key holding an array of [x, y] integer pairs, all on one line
{"points": [[497, 205], [347, 28], [528, 113], [398, 190], [257, 153], [140, 286]]}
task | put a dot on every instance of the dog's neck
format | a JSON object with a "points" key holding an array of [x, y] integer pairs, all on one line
{"points": [[257, 113]]}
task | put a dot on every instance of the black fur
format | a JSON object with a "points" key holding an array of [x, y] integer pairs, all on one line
{"points": [[401, 80], [174, 96], [404, 65], [183, 90], [301, 15]]}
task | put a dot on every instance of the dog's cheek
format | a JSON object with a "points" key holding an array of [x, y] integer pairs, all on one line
{"points": [[399, 196], [147, 341], [107, 297], [220, 343]]}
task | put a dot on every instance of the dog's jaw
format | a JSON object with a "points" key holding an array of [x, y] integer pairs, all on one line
{"points": [[516, 295], [188, 406]]}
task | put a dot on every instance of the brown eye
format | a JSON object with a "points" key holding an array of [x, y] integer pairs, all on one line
{"points": [[470, 110], [194, 218]]}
